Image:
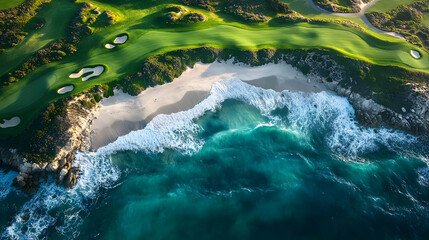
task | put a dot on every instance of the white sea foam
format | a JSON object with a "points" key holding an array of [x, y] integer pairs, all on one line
{"points": [[307, 112], [423, 176], [6, 180], [46, 207]]}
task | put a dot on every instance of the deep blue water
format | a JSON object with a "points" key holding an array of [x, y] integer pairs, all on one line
{"points": [[246, 163]]}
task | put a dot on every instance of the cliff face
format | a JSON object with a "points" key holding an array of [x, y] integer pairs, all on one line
{"points": [[61, 167], [386, 96], [407, 110], [404, 106]]}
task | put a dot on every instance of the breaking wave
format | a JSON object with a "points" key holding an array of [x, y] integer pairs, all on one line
{"points": [[323, 112], [306, 112]]}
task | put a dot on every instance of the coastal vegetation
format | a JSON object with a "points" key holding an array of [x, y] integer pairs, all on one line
{"points": [[253, 11], [407, 20], [387, 85], [87, 20], [180, 15], [283, 106], [142, 61], [13, 21], [341, 6]]}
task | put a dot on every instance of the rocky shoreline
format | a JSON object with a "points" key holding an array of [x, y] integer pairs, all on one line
{"points": [[61, 167], [319, 66]]}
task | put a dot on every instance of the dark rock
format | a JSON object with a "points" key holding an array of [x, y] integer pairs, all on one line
{"points": [[29, 184], [25, 217], [70, 179]]}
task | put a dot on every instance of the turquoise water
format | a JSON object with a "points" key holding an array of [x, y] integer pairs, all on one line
{"points": [[245, 163]]}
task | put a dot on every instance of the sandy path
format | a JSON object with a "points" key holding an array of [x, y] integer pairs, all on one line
{"points": [[122, 113], [361, 14]]}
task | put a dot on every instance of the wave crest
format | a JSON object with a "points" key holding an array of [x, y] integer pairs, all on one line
{"points": [[307, 112]]}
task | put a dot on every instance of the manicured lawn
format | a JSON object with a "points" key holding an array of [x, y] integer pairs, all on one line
{"points": [[386, 5], [304, 8], [57, 15], [148, 37], [5, 4]]}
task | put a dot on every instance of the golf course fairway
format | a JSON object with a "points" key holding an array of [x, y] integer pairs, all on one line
{"points": [[29, 96]]}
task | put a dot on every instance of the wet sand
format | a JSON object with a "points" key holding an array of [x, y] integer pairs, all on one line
{"points": [[122, 113]]}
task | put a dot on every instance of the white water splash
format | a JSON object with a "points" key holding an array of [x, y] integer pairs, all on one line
{"points": [[307, 112], [45, 207]]}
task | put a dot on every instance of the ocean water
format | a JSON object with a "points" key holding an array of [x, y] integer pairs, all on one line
{"points": [[245, 163]]}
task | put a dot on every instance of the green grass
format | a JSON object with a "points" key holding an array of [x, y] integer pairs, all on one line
{"points": [[306, 10], [57, 15], [6, 4], [426, 19], [387, 5], [29, 96]]}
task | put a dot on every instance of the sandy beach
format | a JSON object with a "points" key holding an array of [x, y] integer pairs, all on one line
{"points": [[122, 113]]}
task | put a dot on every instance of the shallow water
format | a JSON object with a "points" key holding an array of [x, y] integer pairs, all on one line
{"points": [[245, 163]]}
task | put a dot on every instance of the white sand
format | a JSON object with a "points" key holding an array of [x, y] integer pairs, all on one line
{"points": [[109, 46], [65, 89], [79, 74], [121, 39], [122, 113], [13, 122], [415, 54], [96, 71]]}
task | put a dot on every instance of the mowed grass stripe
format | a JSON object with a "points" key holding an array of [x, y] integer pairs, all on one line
{"points": [[27, 97], [57, 14], [6, 4]]}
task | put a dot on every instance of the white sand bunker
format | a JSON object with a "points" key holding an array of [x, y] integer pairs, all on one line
{"points": [[96, 71], [109, 46], [121, 39], [65, 89], [415, 54], [13, 122]]}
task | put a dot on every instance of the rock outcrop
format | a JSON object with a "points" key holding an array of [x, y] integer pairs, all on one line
{"points": [[412, 116], [61, 167]]}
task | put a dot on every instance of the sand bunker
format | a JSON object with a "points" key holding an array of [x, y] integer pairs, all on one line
{"points": [[415, 54], [109, 46], [96, 71], [13, 122], [65, 89], [121, 39]]}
